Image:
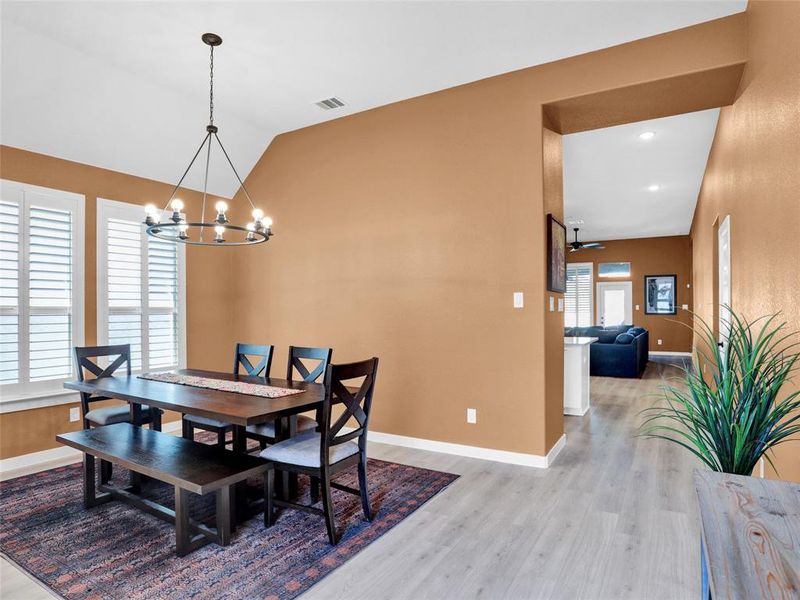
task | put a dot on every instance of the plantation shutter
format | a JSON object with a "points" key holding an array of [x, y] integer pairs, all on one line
{"points": [[142, 290], [41, 290], [162, 269], [578, 297], [49, 293], [124, 299], [10, 248]]}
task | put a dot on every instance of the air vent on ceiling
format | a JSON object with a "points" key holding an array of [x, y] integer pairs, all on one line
{"points": [[574, 221], [330, 103]]}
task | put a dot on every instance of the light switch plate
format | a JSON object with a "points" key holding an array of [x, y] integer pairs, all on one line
{"points": [[552, 304], [74, 414], [560, 305], [519, 300], [472, 415]]}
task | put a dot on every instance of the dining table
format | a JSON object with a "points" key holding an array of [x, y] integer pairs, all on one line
{"points": [[236, 408]]}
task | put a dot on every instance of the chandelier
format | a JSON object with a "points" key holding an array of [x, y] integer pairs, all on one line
{"points": [[176, 228]]}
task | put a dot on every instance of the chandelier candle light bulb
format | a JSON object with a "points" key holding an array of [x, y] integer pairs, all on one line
{"points": [[177, 230]]}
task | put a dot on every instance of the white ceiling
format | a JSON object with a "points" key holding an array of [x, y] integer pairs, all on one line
{"points": [[123, 85], [607, 173]]}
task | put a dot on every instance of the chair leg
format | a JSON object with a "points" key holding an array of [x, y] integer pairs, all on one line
{"points": [[327, 506], [187, 430], [105, 471], [314, 490], [269, 490], [221, 438], [155, 418], [362, 486], [262, 445]]}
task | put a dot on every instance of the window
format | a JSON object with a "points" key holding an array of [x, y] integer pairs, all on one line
{"points": [[141, 289], [578, 298], [617, 269], [41, 288]]}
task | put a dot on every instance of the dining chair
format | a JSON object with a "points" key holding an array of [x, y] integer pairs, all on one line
{"points": [[118, 356], [323, 454], [242, 355], [118, 413], [264, 433]]}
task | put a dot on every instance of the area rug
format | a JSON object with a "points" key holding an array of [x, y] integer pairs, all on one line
{"points": [[116, 551]]}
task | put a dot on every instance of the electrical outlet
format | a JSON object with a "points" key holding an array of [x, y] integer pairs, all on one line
{"points": [[637, 307], [74, 414], [519, 300], [472, 415], [685, 306], [560, 305], [659, 342], [552, 304]]}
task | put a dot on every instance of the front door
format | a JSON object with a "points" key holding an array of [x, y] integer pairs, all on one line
{"points": [[614, 303]]}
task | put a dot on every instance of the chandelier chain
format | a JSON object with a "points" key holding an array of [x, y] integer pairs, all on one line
{"points": [[211, 90]]}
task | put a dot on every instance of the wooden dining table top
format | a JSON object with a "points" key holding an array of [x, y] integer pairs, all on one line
{"points": [[231, 407]]}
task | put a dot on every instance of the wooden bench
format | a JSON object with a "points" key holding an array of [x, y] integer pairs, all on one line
{"points": [[185, 464]]}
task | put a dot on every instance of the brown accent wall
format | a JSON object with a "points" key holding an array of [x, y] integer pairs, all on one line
{"points": [[753, 176], [209, 295], [405, 230], [651, 256]]}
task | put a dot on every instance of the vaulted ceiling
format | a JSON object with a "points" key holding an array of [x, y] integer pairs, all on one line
{"points": [[618, 185], [123, 85]]}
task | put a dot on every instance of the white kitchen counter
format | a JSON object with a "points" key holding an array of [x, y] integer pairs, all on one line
{"points": [[576, 374]]}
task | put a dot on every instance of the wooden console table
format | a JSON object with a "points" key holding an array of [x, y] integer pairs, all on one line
{"points": [[750, 536]]}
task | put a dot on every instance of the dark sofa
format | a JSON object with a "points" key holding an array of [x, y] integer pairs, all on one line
{"points": [[612, 355]]}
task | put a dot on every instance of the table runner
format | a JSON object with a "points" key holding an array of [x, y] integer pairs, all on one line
{"points": [[223, 385]]}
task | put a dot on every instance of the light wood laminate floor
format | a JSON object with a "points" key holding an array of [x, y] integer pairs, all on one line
{"points": [[615, 517]]}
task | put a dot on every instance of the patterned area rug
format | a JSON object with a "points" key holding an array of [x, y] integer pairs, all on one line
{"points": [[116, 551]]}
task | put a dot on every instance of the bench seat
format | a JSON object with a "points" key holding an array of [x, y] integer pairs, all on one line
{"points": [[187, 465]]}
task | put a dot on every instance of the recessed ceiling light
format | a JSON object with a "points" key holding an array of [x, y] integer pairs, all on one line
{"points": [[654, 188], [647, 135]]}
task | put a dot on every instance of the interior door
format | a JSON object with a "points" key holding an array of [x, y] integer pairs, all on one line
{"points": [[614, 303], [724, 278]]}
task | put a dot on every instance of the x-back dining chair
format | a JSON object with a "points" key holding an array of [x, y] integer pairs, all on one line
{"points": [[118, 355], [265, 433], [322, 454], [119, 413], [242, 356]]}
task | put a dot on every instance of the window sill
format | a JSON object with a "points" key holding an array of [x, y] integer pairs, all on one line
{"points": [[39, 400]]}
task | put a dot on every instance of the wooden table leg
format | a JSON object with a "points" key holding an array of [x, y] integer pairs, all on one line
{"points": [[240, 489], [183, 534], [224, 515], [88, 481], [136, 419]]}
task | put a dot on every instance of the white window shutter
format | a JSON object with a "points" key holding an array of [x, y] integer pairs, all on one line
{"points": [[140, 291], [578, 297], [10, 249], [124, 290], [50, 263]]}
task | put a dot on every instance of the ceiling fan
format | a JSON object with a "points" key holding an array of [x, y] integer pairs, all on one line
{"points": [[576, 245]]}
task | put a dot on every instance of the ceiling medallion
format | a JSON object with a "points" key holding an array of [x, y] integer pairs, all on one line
{"points": [[219, 231]]}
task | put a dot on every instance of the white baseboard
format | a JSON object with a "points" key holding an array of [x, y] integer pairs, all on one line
{"points": [[504, 456], [575, 412], [64, 455], [655, 353], [53, 458]]}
